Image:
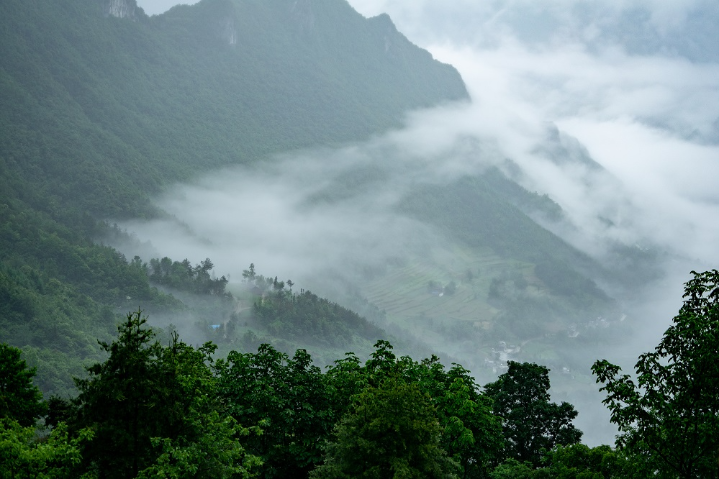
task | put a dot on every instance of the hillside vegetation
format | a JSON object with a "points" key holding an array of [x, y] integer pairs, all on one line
{"points": [[150, 410], [98, 114]]}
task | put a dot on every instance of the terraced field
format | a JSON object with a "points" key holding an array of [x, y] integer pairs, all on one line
{"points": [[405, 291], [464, 325]]}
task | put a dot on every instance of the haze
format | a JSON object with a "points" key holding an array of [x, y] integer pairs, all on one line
{"points": [[631, 85]]}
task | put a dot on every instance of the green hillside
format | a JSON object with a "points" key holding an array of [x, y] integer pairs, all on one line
{"points": [[99, 113], [103, 108]]}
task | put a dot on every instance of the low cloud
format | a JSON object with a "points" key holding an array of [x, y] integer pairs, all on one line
{"points": [[625, 140]]}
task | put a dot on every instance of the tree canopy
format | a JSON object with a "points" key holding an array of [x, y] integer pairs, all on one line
{"points": [[391, 432], [20, 399], [154, 410], [670, 415], [531, 423]]}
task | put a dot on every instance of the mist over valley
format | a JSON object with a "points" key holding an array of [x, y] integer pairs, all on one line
{"points": [[610, 148]]}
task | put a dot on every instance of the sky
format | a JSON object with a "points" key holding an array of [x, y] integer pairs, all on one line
{"points": [[632, 85], [156, 7]]}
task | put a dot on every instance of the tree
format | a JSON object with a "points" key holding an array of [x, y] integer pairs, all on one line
{"points": [[531, 423], [513, 469], [213, 454], [580, 461], [471, 434], [392, 432], [288, 398], [670, 416], [576, 461], [156, 410], [119, 400], [249, 274], [20, 399], [23, 455]]}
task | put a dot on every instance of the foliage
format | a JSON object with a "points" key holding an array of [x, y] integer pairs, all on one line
{"points": [[582, 462], [59, 292], [392, 432], [24, 455], [298, 407], [531, 423], [20, 399], [471, 434], [181, 275], [305, 315], [288, 398], [156, 409], [513, 469], [576, 461], [119, 400], [214, 454], [670, 416]]}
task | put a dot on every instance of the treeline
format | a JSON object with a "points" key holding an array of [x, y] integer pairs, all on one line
{"points": [[153, 410], [288, 315], [182, 276]]}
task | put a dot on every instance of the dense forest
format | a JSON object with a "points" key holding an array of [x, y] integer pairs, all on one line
{"points": [[173, 410]]}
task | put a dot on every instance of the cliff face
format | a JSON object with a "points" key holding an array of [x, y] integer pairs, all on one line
{"points": [[227, 31], [120, 8]]}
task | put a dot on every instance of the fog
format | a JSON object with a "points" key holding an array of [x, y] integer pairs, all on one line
{"points": [[611, 110]]}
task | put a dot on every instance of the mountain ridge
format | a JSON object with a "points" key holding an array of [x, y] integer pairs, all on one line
{"points": [[102, 107]]}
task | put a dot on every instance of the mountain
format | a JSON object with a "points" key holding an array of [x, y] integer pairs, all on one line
{"points": [[129, 104], [102, 106]]}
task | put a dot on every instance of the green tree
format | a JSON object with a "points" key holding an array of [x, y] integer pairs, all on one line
{"points": [[531, 423], [216, 453], [120, 399], [20, 399], [513, 469], [157, 409], [670, 416], [288, 398], [346, 379], [391, 432], [471, 433], [24, 455], [578, 461]]}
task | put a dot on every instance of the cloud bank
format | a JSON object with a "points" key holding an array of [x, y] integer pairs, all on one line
{"points": [[612, 110]]}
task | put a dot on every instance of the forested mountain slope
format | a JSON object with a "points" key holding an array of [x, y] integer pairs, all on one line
{"points": [[101, 106], [100, 111]]}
